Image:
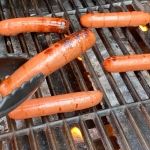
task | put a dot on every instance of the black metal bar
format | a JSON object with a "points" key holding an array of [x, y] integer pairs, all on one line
{"points": [[86, 134], [105, 112], [72, 145], [138, 131], [104, 137], [7, 40], [114, 121], [45, 125]]}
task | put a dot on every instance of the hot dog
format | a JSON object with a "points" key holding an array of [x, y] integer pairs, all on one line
{"points": [[51, 59], [33, 24], [56, 104], [115, 19], [127, 63]]}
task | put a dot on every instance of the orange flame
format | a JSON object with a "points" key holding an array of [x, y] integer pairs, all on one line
{"points": [[143, 28], [79, 58], [76, 134]]}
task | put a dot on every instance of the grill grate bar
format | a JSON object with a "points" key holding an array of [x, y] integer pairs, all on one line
{"points": [[86, 134], [139, 119], [122, 96], [141, 137], [96, 80], [7, 40], [69, 136], [119, 131], [21, 38], [105, 112], [127, 129], [104, 136], [145, 112]]}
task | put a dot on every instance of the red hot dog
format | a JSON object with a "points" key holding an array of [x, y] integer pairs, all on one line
{"points": [[56, 104], [115, 19], [127, 63], [51, 59], [33, 24]]}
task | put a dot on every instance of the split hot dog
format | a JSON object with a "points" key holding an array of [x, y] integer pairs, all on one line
{"points": [[115, 19], [33, 24], [56, 104], [51, 59]]}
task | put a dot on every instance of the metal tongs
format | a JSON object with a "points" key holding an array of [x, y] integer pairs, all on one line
{"points": [[8, 64]]}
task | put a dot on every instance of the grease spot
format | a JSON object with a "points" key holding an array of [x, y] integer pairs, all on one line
{"points": [[76, 106], [60, 109], [48, 51], [56, 45]]}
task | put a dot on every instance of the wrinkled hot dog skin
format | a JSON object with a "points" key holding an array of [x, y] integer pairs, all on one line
{"points": [[15, 26], [51, 59]]}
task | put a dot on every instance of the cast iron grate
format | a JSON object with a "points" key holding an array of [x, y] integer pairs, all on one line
{"points": [[121, 121]]}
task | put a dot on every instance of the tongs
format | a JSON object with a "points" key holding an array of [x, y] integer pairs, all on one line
{"points": [[49, 60], [8, 64]]}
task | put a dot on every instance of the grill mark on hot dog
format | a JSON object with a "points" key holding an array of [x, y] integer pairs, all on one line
{"points": [[56, 104], [51, 59], [33, 24]]}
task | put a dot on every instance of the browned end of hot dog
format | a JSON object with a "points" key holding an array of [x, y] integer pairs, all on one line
{"points": [[51, 59], [127, 63], [115, 19], [33, 24], [56, 104]]}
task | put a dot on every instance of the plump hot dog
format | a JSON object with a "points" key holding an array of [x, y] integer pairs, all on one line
{"points": [[33, 24], [115, 19], [127, 63], [51, 59], [56, 104]]}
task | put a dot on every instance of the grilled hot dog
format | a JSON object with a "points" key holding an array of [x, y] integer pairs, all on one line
{"points": [[127, 63], [33, 24], [56, 104], [115, 19], [51, 59]]}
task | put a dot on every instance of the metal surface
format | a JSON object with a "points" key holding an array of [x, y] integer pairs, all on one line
{"points": [[8, 64], [122, 120], [19, 95]]}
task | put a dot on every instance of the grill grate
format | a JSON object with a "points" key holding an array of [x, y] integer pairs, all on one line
{"points": [[121, 121]]}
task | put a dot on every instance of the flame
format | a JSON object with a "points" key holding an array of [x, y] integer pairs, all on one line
{"points": [[6, 76], [76, 134], [143, 28], [65, 35], [79, 58]]}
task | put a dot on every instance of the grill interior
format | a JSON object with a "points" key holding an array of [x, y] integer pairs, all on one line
{"points": [[121, 121]]}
